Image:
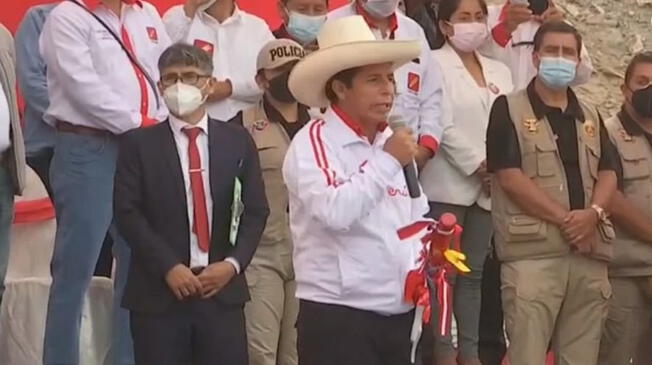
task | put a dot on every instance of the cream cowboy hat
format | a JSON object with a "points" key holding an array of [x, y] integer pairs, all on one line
{"points": [[344, 43]]}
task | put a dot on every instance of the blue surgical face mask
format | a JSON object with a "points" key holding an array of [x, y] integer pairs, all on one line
{"points": [[304, 27], [557, 72]]}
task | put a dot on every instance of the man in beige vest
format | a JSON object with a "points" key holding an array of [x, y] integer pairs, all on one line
{"points": [[630, 272], [272, 312], [555, 170], [12, 149]]}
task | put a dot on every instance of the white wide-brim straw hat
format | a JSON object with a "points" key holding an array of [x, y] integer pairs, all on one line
{"points": [[344, 43]]}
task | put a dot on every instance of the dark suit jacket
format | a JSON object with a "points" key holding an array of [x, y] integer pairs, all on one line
{"points": [[151, 211]]}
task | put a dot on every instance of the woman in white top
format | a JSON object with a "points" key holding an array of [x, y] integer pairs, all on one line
{"points": [[456, 179]]}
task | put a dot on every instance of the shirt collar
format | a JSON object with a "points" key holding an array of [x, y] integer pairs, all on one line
{"points": [[542, 110], [179, 125], [235, 16], [274, 116], [630, 125], [393, 19], [354, 125], [93, 4]]}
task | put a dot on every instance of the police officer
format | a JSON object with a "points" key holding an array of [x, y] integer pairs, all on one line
{"points": [[272, 312], [630, 272], [555, 172]]}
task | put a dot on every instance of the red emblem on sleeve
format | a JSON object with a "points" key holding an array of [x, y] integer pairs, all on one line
{"points": [[153, 34], [205, 46], [414, 82]]}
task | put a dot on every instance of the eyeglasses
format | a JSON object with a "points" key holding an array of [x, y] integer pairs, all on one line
{"points": [[190, 78]]}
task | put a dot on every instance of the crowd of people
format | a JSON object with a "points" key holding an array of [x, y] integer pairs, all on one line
{"points": [[250, 185]]}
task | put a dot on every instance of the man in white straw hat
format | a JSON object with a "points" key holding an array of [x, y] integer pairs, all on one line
{"points": [[418, 82], [348, 198]]}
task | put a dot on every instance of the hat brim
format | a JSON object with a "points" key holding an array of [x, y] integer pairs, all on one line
{"points": [[308, 79]]}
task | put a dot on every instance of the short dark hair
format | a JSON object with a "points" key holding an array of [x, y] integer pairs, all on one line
{"points": [[346, 77], [446, 10], [557, 27], [640, 58], [182, 54]]}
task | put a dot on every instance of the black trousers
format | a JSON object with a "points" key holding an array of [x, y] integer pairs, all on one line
{"points": [[336, 335], [40, 163], [492, 346], [193, 332]]}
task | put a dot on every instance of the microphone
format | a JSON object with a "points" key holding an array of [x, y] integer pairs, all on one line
{"points": [[409, 170]]}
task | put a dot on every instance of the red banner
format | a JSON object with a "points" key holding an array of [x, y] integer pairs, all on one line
{"points": [[266, 9]]}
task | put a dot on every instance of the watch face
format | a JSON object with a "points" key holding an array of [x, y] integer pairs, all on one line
{"points": [[538, 6]]}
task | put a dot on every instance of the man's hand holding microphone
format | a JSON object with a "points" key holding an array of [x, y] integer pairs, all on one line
{"points": [[403, 147]]}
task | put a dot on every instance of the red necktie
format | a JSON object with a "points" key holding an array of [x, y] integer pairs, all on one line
{"points": [[200, 221]]}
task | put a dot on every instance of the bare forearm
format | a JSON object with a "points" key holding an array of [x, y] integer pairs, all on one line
{"points": [[605, 188], [529, 197], [630, 218]]}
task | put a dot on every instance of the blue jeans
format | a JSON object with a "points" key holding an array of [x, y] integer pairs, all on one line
{"points": [[6, 218], [81, 175]]}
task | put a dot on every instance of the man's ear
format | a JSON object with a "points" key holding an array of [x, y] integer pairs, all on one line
{"points": [[282, 11], [339, 89], [262, 82], [161, 89], [536, 60]]}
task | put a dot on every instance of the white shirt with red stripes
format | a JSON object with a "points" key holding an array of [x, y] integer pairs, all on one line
{"points": [[348, 198], [91, 81]]}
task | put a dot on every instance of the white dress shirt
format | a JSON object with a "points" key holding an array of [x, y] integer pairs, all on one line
{"points": [[517, 53], [5, 122], [348, 198], [91, 81], [198, 258], [418, 101], [234, 45], [449, 176]]}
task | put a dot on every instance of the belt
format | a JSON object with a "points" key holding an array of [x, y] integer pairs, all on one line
{"points": [[82, 130]]}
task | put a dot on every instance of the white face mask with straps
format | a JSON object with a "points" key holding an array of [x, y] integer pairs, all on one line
{"points": [[183, 99]]}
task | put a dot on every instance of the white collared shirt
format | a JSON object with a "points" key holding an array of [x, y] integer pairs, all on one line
{"points": [[91, 81], [419, 83], [198, 258], [234, 45], [348, 198], [5, 122]]}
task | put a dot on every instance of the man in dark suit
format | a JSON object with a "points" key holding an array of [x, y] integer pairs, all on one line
{"points": [[186, 290]]}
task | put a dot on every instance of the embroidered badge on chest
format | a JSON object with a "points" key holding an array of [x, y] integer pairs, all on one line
{"points": [[414, 82], [532, 125], [260, 125], [626, 136], [493, 88], [589, 128], [205, 46], [152, 34]]}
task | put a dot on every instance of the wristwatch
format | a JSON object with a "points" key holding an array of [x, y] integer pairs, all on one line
{"points": [[602, 215]]}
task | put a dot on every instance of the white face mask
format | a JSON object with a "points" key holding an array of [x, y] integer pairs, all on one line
{"points": [[183, 99], [206, 5], [469, 36], [381, 8]]}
